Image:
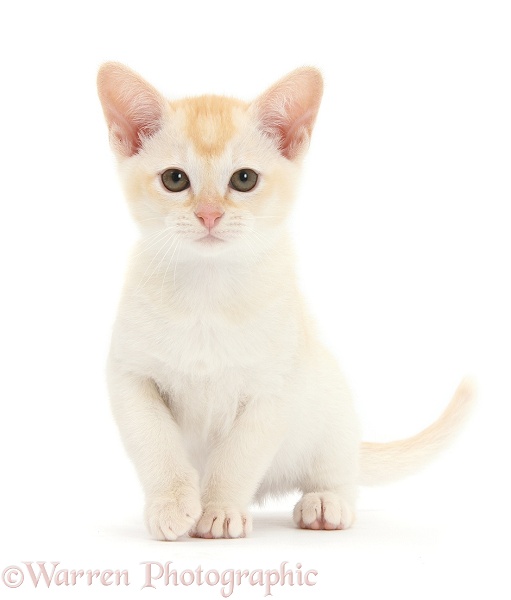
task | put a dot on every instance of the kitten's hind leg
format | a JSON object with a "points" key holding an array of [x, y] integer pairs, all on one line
{"points": [[324, 510], [330, 487]]}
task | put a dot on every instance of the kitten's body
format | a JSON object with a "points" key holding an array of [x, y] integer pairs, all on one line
{"points": [[221, 389]]}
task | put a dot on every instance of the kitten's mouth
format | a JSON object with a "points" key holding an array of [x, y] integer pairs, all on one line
{"points": [[210, 239]]}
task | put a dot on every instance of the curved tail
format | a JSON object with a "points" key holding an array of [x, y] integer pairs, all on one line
{"points": [[386, 462]]}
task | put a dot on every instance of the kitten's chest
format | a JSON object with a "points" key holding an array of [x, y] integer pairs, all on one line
{"points": [[211, 328], [209, 341], [206, 345]]}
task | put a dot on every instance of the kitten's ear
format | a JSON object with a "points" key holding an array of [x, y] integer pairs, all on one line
{"points": [[133, 108], [287, 110]]}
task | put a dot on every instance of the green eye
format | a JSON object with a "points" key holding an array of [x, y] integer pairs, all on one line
{"points": [[244, 180], [175, 180]]}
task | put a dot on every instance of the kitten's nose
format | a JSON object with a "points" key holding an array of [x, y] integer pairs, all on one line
{"points": [[209, 215]]}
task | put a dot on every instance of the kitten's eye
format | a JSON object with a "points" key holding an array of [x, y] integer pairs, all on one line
{"points": [[244, 180], [175, 180]]}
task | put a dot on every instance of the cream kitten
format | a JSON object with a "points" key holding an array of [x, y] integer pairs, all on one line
{"points": [[220, 388]]}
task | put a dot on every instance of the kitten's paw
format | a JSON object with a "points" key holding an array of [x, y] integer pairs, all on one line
{"points": [[222, 522], [325, 510], [168, 517]]}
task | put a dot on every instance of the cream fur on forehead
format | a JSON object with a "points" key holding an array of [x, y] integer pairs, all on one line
{"points": [[134, 109]]}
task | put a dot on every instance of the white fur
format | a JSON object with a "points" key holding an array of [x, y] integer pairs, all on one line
{"points": [[222, 391]]}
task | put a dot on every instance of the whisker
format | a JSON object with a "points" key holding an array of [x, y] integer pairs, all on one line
{"points": [[178, 243], [249, 245], [264, 217], [156, 233], [262, 241], [151, 219], [168, 243], [156, 238], [175, 240], [177, 260], [144, 240]]}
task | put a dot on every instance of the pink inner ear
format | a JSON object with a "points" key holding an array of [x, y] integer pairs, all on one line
{"points": [[133, 109], [287, 111], [124, 133], [297, 134]]}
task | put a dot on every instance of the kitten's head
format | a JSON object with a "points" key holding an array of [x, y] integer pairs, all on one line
{"points": [[217, 174]]}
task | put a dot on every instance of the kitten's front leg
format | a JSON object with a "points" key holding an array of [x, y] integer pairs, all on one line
{"points": [[153, 441], [237, 466]]}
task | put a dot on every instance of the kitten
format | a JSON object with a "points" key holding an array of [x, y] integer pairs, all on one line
{"points": [[220, 388]]}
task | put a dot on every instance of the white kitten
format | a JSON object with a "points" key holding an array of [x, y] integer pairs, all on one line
{"points": [[221, 390]]}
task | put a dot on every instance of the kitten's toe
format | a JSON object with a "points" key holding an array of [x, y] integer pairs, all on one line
{"points": [[219, 522], [169, 517], [325, 510]]}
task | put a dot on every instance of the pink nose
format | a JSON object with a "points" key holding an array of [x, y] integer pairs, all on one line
{"points": [[209, 215]]}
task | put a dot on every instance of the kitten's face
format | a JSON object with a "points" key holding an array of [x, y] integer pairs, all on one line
{"points": [[210, 178], [214, 174]]}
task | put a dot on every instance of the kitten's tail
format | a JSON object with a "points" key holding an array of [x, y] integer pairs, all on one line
{"points": [[387, 462]]}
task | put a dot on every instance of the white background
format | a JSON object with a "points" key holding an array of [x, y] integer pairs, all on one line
{"points": [[402, 234]]}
